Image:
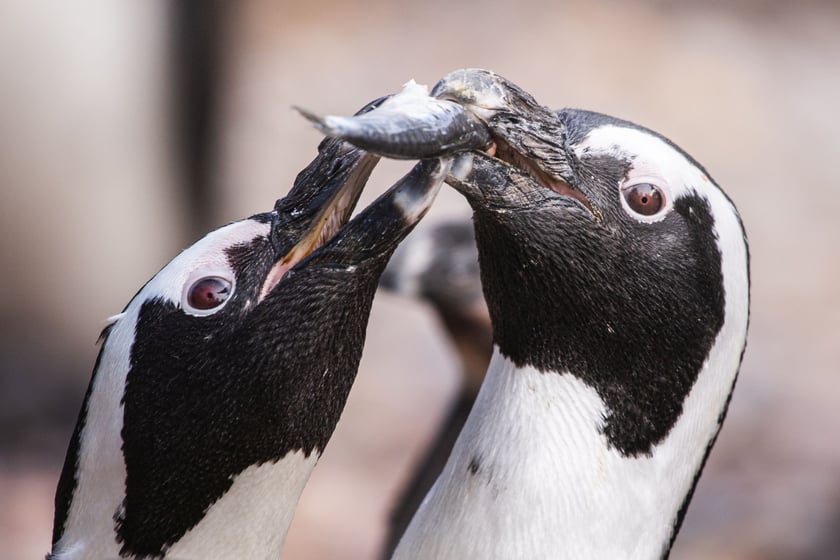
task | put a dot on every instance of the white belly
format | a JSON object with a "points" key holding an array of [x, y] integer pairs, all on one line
{"points": [[249, 521], [532, 476], [252, 518]]}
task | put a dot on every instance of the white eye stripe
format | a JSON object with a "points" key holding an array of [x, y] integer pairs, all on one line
{"points": [[207, 257], [651, 157]]}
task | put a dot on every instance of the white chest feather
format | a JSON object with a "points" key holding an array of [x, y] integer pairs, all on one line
{"points": [[249, 521], [252, 518], [100, 487], [532, 476]]}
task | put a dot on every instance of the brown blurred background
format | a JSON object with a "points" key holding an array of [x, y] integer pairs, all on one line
{"points": [[128, 129]]}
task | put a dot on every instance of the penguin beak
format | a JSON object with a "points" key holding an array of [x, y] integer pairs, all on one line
{"points": [[316, 212], [322, 199], [469, 110], [526, 137], [373, 234]]}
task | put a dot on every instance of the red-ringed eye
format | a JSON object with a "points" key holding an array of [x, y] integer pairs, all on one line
{"points": [[208, 293], [644, 198]]}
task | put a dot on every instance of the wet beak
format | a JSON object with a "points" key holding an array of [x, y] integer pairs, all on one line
{"points": [[373, 234], [316, 212], [322, 200]]}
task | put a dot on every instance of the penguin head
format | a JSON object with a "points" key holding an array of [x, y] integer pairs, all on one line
{"points": [[608, 252], [240, 351]]}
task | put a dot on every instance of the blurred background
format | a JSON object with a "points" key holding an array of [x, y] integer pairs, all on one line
{"points": [[129, 129]]}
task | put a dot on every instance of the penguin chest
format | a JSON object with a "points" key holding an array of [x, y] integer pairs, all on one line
{"points": [[252, 518], [249, 521], [533, 476]]}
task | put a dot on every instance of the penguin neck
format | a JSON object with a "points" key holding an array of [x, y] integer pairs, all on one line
{"points": [[533, 476]]}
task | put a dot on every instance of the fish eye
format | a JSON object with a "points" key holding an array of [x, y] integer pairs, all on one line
{"points": [[206, 295]]}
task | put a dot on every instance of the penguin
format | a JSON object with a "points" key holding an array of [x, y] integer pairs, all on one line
{"points": [[218, 386], [438, 265], [616, 273]]}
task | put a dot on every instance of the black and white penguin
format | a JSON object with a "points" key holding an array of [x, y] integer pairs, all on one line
{"points": [[219, 385], [617, 276]]}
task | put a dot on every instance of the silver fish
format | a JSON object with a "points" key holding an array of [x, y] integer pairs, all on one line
{"points": [[469, 109], [409, 125]]}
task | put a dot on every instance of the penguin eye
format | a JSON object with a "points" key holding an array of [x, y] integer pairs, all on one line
{"points": [[208, 293], [644, 198]]}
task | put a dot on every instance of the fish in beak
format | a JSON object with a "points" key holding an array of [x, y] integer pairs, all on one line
{"points": [[470, 110], [312, 220]]}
